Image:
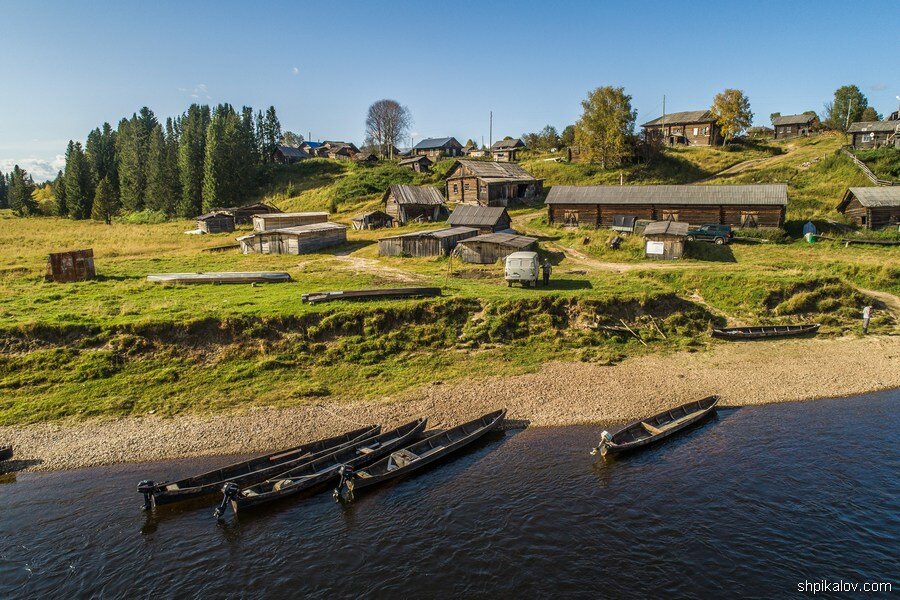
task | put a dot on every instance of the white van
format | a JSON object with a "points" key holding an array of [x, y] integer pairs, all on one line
{"points": [[522, 267]]}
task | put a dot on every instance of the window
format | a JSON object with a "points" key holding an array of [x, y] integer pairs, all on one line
{"points": [[706, 131], [466, 186], [696, 130], [867, 137], [670, 215], [749, 218], [455, 188], [862, 220], [570, 217]]}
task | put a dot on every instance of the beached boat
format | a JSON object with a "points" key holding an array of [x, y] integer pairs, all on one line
{"points": [[229, 277], [251, 471], [6, 452], [764, 331], [416, 456], [318, 472], [644, 432]]}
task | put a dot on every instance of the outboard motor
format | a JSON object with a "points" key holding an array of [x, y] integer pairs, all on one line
{"points": [[344, 487], [229, 491], [605, 440], [146, 488]]}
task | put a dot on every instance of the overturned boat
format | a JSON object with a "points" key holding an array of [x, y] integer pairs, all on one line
{"points": [[6, 452], [764, 331]]}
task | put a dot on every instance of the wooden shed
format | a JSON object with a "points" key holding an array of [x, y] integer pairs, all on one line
{"points": [[294, 240], [486, 219], [488, 248], [405, 203], [265, 222], [243, 215], [872, 207], [215, 222], [439, 242], [761, 205], [665, 239], [288, 155], [66, 267], [490, 183], [419, 164], [375, 219]]}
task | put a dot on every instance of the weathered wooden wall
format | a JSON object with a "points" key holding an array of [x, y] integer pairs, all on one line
{"points": [[220, 224], [288, 243], [66, 267], [673, 246], [593, 215], [279, 221], [486, 253]]}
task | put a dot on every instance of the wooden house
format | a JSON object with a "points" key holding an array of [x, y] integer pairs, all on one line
{"points": [[486, 219], [690, 128], [420, 164], [375, 219], [506, 150], [791, 126], [490, 183], [265, 222], [488, 248], [440, 242], [311, 148], [875, 134], [66, 267], [405, 203], [339, 151], [294, 240], [215, 222], [437, 148], [366, 158], [872, 207], [288, 155], [736, 205], [243, 215], [665, 239]]}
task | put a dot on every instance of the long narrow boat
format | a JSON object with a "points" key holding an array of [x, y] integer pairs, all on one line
{"points": [[644, 432], [416, 456], [6, 452], [248, 472], [764, 331], [318, 472]]}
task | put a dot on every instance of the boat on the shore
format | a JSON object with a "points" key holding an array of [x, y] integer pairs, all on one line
{"points": [[224, 277], [416, 456], [764, 331], [644, 432], [318, 472], [251, 471], [6, 452]]}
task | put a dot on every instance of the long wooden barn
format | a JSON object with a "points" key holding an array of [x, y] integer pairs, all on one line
{"points": [[438, 242], [735, 205], [872, 207], [294, 240], [488, 248], [266, 222]]}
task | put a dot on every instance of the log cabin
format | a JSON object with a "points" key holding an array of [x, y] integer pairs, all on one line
{"points": [[437, 148], [311, 148], [872, 207], [490, 183], [215, 222], [405, 203], [266, 222], [243, 215], [486, 219], [735, 205], [690, 128], [875, 134], [375, 219], [419, 164], [665, 239], [506, 150], [288, 155], [792, 126], [488, 248], [440, 242], [294, 240]]}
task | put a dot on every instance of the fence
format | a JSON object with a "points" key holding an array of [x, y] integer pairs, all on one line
{"points": [[866, 170]]}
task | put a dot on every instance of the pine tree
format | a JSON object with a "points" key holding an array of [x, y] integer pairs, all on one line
{"points": [[249, 132], [4, 196], [59, 194], [78, 183], [100, 151], [105, 203], [21, 186], [157, 186], [132, 147], [191, 155], [228, 170], [272, 134]]}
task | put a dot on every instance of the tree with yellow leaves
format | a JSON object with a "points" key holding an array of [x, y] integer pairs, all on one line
{"points": [[731, 110]]}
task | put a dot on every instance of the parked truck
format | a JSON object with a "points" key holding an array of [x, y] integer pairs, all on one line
{"points": [[522, 267]]}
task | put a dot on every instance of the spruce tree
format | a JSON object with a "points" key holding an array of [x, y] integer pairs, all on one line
{"points": [[78, 183], [105, 203], [191, 155], [100, 151], [4, 196], [59, 194], [21, 186], [157, 186]]}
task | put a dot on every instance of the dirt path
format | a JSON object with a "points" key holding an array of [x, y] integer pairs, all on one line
{"points": [[737, 169], [557, 394], [889, 300], [367, 265]]}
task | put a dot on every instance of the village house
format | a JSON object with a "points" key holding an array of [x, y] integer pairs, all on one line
{"points": [[440, 242], [486, 219], [243, 215], [875, 134], [665, 239], [420, 164], [294, 240], [366, 157], [490, 183], [339, 150], [691, 128], [375, 219], [761, 205], [405, 203], [437, 148], [872, 207], [488, 248], [215, 222], [791, 126], [506, 150], [311, 148], [266, 222], [288, 155]]}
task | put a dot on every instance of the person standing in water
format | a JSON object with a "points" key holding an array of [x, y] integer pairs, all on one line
{"points": [[867, 315], [546, 268]]}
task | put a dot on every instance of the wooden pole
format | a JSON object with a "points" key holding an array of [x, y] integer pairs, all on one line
{"points": [[632, 331]]}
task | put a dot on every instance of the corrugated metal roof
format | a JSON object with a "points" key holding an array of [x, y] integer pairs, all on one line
{"points": [[872, 197], [415, 194], [793, 120], [666, 228], [866, 126], [682, 118], [506, 239], [495, 170], [477, 216], [772, 193], [434, 143], [312, 227], [435, 233], [290, 215]]}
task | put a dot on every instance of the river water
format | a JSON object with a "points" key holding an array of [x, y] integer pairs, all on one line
{"points": [[753, 502]]}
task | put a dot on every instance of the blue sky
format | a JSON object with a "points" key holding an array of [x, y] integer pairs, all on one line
{"points": [[69, 66]]}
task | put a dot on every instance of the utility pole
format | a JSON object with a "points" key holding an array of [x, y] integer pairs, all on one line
{"points": [[849, 108], [491, 130], [663, 136]]}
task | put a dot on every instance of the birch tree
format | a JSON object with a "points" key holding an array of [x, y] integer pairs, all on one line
{"points": [[387, 123]]}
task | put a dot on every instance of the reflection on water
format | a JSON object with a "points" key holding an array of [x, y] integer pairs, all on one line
{"points": [[751, 503]]}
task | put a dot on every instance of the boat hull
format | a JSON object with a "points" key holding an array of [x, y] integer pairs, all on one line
{"points": [[764, 332], [706, 408], [6, 452]]}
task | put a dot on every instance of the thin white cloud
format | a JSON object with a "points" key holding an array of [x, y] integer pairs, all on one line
{"points": [[40, 169], [878, 87], [199, 91], [295, 70]]}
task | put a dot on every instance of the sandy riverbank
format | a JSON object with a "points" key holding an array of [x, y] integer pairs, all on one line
{"points": [[559, 394]]}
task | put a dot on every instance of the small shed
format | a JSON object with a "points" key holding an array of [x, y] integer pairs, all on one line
{"points": [[505, 150], [294, 240], [366, 157], [265, 222], [405, 203], [487, 219], [215, 222], [665, 239], [375, 219], [439, 242], [66, 267], [243, 215], [623, 223], [872, 207], [419, 164], [288, 155], [486, 249]]}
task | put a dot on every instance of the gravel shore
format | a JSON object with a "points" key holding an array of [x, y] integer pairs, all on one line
{"points": [[559, 394]]}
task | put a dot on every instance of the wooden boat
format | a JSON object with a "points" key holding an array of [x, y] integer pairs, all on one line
{"points": [[318, 472], [764, 331], [229, 277], [416, 456], [644, 432], [6, 452], [250, 471], [375, 294]]}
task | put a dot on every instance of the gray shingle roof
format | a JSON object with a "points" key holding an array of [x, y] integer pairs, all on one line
{"points": [[495, 170], [435, 233], [476, 216], [773, 193], [682, 118], [793, 120], [865, 126], [666, 228], [434, 143], [415, 194], [415, 159], [506, 239], [872, 197], [292, 152], [507, 144]]}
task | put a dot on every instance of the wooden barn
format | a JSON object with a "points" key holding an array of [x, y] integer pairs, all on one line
{"points": [[266, 222], [490, 183], [311, 148], [288, 155], [506, 150], [875, 134], [243, 215], [66, 267], [420, 164], [736, 205], [294, 240], [366, 157], [375, 219], [488, 248], [405, 203], [690, 128], [791, 126], [665, 239], [486, 219], [440, 242], [215, 222], [872, 207], [437, 148]]}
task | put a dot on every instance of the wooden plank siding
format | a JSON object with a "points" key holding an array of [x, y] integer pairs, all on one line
{"points": [[597, 215]]}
